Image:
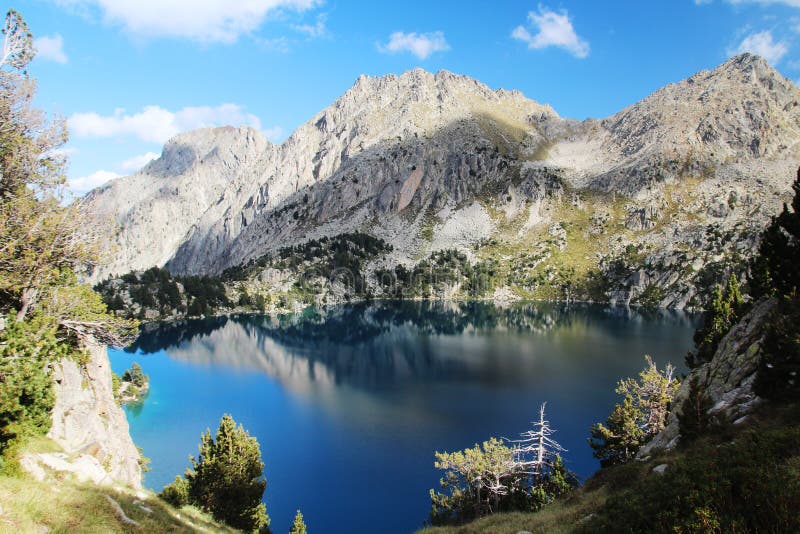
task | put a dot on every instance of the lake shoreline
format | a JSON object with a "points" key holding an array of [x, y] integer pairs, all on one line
{"points": [[276, 312]]}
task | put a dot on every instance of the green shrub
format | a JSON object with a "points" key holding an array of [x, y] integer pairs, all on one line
{"points": [[135, 376], [751, 484], [176, 493], [27, 350], [693, 418], [651, 297], [115, 384]]}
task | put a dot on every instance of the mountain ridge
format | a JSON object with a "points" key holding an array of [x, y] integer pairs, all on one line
{"points": [[394, 153]]}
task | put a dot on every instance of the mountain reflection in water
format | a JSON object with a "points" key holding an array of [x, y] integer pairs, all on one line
{"points": [[360, 396], [372, 345]]}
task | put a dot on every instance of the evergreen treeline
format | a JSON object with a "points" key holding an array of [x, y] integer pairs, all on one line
{"points": [[434, 276], [339, 258], [776, 273], [156, 289]]}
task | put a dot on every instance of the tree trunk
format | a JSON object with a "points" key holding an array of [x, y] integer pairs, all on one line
{"points": [[27, 299]]}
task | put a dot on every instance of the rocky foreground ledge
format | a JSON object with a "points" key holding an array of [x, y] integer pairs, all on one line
{"points": [[90, 426]]}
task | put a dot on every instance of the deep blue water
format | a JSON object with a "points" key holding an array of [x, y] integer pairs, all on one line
{"points": [[350, 404]]}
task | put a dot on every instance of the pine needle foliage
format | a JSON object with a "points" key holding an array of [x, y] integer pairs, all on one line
{"points": [[298, 525], [227, 477], [724, 311]]}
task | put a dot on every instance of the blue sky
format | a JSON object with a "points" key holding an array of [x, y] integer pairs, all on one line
{"points": [[129, 74]]}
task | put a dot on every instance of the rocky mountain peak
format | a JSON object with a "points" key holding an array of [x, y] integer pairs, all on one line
{"points": [[425, 102], [394, 148], [741, 110], [746, 62], [225, 143]]}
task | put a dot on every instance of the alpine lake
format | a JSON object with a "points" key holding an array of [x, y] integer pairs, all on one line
{"points": [[349, 403]]}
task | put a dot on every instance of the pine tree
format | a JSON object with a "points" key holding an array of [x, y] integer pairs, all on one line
{"points": [[536, 453], [135, 375], [298, 526], [42, 241], [779, 368], [642, 414], [693, 418], [620, 438], [776, 272], [26, 387], [724, 310], [652, 394], [475, 481], [227, 478]]}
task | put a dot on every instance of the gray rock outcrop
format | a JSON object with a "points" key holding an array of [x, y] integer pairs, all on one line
{"points": [[727, 380], [90, 426]]}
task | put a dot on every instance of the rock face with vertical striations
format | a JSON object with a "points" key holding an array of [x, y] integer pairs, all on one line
{"points": [[397, 155], [90, 426]]}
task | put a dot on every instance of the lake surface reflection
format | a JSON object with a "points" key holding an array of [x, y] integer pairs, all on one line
{"points": [[350, 403]]}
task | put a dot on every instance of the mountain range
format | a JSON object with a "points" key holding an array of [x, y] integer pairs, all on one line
{"points": [[659, 200]]}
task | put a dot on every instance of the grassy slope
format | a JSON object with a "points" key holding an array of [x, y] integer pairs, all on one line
{"points": [[778, 423], [31, 506], [65, 505], [561, 516], [517, 249]]}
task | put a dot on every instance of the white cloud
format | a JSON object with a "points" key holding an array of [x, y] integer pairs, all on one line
{"points": [[552, 29], [274, 134], [137, 162], [199, 20], [85, 184], [762, 44], [318, 29], [156, 125], [51, 48], [421, 45]]}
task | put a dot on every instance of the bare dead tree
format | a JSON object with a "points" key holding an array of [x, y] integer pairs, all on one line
{"points": [[537, 450]]}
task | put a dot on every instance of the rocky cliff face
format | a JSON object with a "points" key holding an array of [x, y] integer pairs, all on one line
{"points": [[90, 426], [727, 380], [441, 161], [154, 211]]}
